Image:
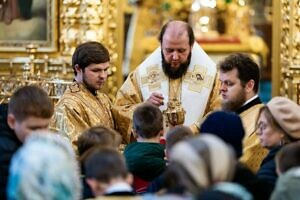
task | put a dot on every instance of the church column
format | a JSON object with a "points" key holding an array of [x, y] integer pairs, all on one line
{"points": [[286, 46]]}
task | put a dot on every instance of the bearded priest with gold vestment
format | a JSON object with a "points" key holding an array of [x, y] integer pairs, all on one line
{"points": [[178, 77]]}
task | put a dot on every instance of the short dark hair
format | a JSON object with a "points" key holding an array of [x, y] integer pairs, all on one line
{"points": [[147, 120], [29, 101], [246, 67], [89, 53], [288, 157], [98, 135], [176, 135], [104, 164], [188, 29]]}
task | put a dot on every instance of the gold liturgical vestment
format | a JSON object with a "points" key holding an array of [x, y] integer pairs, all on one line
{"points": [[253, 152], [186, 99], [78, 109]]}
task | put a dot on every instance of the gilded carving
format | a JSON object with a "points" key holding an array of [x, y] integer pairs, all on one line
{"points": [[78, 21], [290, 49]]}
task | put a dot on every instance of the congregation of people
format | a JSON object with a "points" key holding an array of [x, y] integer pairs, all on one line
{"points": [[180, 127]]}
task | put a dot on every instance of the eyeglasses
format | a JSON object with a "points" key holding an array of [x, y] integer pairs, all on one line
{"points": [[261, 127]]}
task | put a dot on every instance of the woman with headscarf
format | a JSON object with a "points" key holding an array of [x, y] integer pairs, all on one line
{"points": [[44, 167], [198, 163]]}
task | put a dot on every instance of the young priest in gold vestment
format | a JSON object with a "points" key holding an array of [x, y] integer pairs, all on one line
{"points": [[82, 105]]}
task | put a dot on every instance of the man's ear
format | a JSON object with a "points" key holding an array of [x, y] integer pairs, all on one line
{"points": [[129, 178], [134, 134], [95, 187], [250, 85], [11, 120], [92, 183], [77, 68]]}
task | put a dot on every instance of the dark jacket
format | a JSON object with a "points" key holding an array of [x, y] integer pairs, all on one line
{"points": [[9, 144], [267, 170], [259, 188]]}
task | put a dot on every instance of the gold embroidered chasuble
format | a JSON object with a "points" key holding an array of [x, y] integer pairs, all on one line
{"points": [[253, 152], [78, 109], [197, 90]]}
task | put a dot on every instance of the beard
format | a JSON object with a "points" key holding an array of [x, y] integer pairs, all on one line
{"points": [[234, 105], [90, 87], [175, 73]]}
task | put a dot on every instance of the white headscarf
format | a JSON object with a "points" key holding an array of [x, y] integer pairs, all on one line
{"points": [[206, 158], [44, 167]]}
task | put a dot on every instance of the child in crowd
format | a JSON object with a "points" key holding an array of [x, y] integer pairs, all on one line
{"points": [[98, 135], [145, 157], [29, 108], [106, 173], [95, 136], [174, 135], [177, 134]]}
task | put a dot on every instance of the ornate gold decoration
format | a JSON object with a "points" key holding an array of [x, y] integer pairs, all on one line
{"points": [[42, 72], [174, 113], [176, 9], [79, 21], [298, 93], [153, 78], [198, 78], [93, 20], [290, 48], [203, 19]]}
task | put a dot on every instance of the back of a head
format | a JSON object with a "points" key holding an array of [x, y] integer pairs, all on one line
{"points": [[147, 121], [200, 157], [45, 167], [288, 157], [227, 126], [89, 53], [29, 101], [104, 164], [98, 135], [287, 186], [177, 134], [247, 68]]}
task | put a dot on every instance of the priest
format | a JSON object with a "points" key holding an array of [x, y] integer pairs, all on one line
{"points": [[178, 77]]}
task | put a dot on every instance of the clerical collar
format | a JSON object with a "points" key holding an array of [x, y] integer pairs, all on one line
{"points": [[254, 97], [251, 102]]}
